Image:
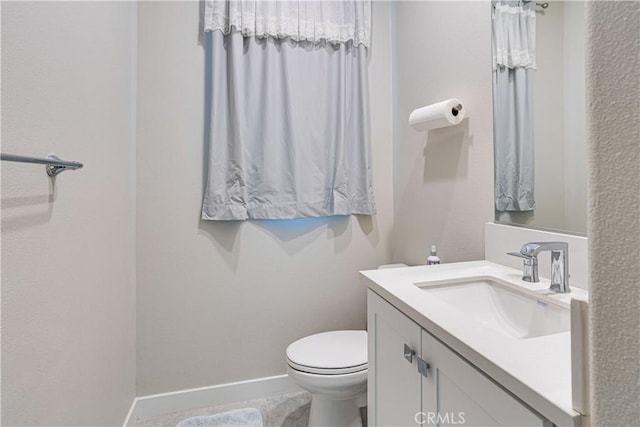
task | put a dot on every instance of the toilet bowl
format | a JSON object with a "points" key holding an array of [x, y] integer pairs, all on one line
{"points": [[332, 366]]}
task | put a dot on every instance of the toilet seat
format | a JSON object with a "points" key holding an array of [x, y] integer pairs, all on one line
{"points": [[320, 371], [329, 353]]}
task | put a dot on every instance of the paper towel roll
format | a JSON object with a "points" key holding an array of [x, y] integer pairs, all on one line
{"points": [[445, 113]]}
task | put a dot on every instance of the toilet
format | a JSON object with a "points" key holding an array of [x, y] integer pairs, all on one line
{"points": [[332, 366]]}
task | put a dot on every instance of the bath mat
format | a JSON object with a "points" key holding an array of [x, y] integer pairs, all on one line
{"points": [[247, 417]]}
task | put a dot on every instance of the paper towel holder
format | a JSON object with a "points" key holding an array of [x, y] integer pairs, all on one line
{"points": [[449, 112]]}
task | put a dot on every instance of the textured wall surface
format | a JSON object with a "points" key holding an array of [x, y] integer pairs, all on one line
{"points": [[613, 96], [68, 319], [220, 301], [443, 179]]}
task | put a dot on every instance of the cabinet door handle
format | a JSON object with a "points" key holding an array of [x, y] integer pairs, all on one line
{"points": [[409, 353], [423, 367]]}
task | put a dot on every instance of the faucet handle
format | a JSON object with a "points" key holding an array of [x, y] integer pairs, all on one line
{"points": [[529, 266], [518, 254]]}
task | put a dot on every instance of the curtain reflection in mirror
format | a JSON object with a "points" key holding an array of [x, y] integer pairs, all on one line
{"points": [[513, 39]]}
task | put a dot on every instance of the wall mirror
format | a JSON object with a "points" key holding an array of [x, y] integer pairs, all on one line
{"points": [[539, 114]]}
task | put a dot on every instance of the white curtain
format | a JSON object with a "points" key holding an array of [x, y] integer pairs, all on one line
{"points": [[513, 71], [332, 21], [289, 128], [514, 34]]}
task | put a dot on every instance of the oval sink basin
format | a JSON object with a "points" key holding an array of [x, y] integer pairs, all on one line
{"points": [[501, 308]]}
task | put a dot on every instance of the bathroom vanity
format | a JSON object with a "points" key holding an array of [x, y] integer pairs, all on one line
{"points": [[468, 343]]}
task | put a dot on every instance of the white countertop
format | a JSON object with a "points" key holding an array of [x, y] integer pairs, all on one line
{"points": [[536, 370]]}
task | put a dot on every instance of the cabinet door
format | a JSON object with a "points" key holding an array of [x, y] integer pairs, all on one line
{"points": [[394, 383], [462, 395]]}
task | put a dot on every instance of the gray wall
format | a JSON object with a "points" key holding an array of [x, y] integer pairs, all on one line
{"points": [[443, 184], [613, 95], [219, 301], [576, 169], [548, 111], [68, 319]]}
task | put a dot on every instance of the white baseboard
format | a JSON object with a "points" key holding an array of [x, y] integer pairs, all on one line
{"points": [[128, 417], [165, 403]]}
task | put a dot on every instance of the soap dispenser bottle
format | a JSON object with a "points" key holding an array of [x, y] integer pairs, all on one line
{"points": [[433, 256]]}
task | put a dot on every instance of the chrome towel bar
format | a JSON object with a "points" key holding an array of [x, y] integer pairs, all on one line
{"points": [[54, 164]]}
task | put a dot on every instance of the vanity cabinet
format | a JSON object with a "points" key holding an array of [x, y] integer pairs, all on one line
{"points": [[414, 379], [394, 387]]}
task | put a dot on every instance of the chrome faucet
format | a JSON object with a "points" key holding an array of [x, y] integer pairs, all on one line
{"points": [[559, 263]]}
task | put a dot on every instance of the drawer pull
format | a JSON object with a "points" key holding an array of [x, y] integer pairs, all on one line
{"points": [[423, 367], [409, 353]]}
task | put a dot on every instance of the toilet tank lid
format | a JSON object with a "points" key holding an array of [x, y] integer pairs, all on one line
{"points": [[330, 350]]}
